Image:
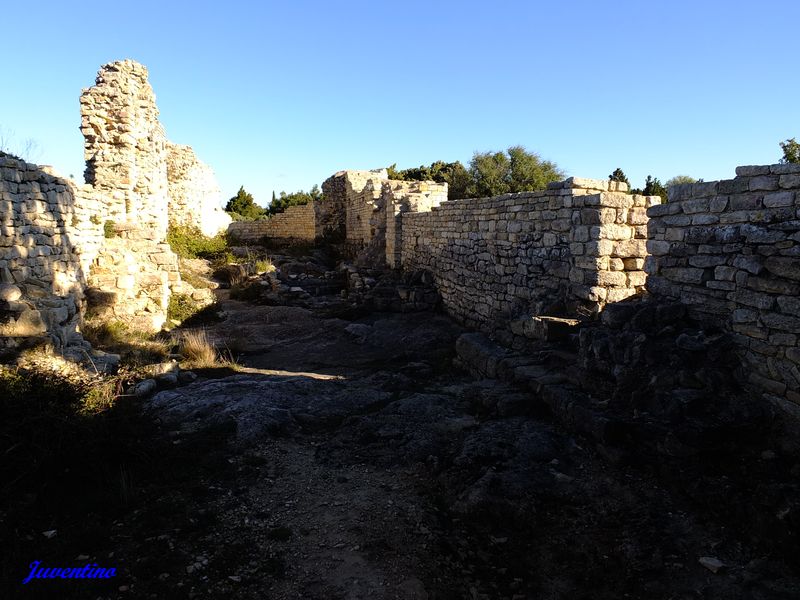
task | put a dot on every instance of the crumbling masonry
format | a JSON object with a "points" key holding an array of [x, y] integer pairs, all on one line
{"points": [[64, 245], [728, 250]]}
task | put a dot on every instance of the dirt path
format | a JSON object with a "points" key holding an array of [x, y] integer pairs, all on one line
{"points": [[351, 460]]}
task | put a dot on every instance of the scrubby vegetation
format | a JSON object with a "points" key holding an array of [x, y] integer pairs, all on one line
{"points": [[181, 307], [136, 348], [189, 242]]}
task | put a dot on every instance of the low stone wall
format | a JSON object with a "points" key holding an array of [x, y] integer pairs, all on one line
{"points": [[730, 251], [194, 195], [296, 223], [574, 246]]}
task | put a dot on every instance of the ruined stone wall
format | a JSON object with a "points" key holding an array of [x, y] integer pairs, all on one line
{"points": [[730, 251], [401, 197], [296, 223], [49, 233], [194, 195], [350, 201], [575, 245], [125, 147]]}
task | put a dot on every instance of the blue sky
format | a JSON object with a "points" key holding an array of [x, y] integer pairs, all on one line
{"points": [[278, 96]]}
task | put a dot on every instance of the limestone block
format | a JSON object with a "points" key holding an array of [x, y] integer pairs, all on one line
{"points": [[789, 181], [637, 216], [616, 200], [635, 248], [684, 274], [764, 183], [658, 248], [619, 294], [636, 278]]}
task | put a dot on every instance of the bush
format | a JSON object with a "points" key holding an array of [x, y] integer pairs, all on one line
{"points": [[189, 242], [181, 307]]}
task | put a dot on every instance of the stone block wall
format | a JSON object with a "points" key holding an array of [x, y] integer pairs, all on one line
{"points": [[296, 223], [65, 246], [575, 246], [730, 251], [362, 210], [350, 199], [400, 197], [131, 281], [194, 195], [48, 233], [125, 147]]}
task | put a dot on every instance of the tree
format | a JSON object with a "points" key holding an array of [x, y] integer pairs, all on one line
{"points": [[791, 151], [244, 205], [298, 198], [653, 187], [454, 174], [679, 180], [619, 175], [516, 170]]}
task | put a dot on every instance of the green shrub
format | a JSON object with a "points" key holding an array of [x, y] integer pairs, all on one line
{"points": [[189, 242], [181, 307]]}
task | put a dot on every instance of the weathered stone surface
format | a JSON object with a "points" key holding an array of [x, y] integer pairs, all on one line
{"points": [[747, 268]]}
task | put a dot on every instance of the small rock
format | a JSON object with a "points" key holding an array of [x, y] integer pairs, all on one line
{"points": [[167, 380], [9, 292], [711, 563], [187, 376], [50, 533], [145, 388], [768, 455]]}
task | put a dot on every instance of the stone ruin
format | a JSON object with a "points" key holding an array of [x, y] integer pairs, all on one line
{"points": [[514, 265], [66, 247], [510, 266]]}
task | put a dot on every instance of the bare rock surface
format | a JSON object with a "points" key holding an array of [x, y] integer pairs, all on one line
{"points": [[350, 459]]}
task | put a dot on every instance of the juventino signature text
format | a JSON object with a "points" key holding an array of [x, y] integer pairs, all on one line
{"points": [[91, 571]]}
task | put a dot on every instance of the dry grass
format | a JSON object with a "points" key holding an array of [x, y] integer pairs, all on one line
{"points": [[263, 265], [199, 352], [136, 348]]}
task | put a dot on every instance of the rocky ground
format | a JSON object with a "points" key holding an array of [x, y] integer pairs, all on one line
{"points": [[351, 459]]}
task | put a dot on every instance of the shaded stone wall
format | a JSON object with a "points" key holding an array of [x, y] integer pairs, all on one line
{"points": [[575, 246], [296, 223], [194, 195], [49, 234], [730, 251]]}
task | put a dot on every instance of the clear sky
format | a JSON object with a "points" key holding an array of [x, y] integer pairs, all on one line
{"points": [[280, 95]]}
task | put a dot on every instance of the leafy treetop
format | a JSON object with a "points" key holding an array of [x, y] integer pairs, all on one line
{"points": [[244, 205], [619, 175], [489, 173], [791, 151]]}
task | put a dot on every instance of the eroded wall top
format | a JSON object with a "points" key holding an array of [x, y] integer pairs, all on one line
{"points": [[125, 146]]}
